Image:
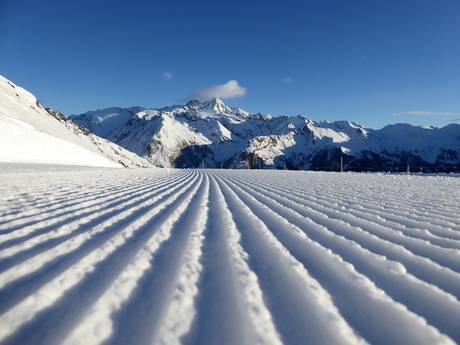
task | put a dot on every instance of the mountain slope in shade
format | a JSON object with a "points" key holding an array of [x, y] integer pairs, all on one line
{"points": [[105, 121], [214, 134], [31, 133]]}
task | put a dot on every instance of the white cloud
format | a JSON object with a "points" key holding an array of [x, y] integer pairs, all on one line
{"points": [[287, 80], [425, 113], [167, 75], [230, 89]]}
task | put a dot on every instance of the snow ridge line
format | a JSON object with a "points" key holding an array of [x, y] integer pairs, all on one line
{"points": [[28, 231], [73, 278], [384, 216], [356, 229], [229, 257], [84, 220], [305, 301], [67, 247], [75, 194], [441, 309], [108, 195], [132, 284], [31, 275], [445, 256], [242, 317], [438, 237], [447, 228], [181, 309], [68, 201], [347, 286], [415, 215], [419, 266], [345, 192]]}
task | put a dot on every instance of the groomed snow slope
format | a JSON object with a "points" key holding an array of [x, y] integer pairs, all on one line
{"points": [[151, 256]]}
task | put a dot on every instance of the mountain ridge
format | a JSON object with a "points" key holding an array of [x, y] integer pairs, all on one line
{"points": [[33, 133], [215, 135]]}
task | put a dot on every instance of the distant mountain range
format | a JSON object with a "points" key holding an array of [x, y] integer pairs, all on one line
{"points": [[214, 135]]}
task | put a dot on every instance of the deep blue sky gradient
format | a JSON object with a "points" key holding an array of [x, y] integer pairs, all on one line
{"points": [[359, 60]]}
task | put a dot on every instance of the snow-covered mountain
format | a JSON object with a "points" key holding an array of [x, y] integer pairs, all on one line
{"points": [[31, 133], [214, 134]]}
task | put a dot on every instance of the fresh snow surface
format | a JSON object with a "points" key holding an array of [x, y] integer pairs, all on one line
{"points": [[29, 133], [163, 256]]}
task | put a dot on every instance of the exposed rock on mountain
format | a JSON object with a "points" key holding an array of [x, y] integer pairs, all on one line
{"points": [[214, 135]]}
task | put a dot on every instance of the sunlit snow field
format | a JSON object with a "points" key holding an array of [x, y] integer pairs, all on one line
{"points": [[159, 256]]}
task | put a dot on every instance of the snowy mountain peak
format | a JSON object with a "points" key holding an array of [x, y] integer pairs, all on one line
{"points": [[185, 135], [217, 106]]}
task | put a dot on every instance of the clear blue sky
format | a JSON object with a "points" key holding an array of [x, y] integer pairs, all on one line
{"points": [[360, 60]]}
